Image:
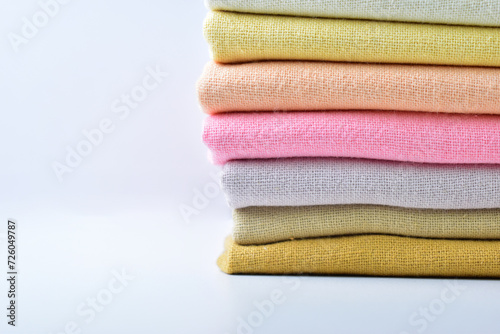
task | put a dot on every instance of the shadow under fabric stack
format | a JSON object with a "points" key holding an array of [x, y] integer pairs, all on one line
{"points": [[358, 137]]}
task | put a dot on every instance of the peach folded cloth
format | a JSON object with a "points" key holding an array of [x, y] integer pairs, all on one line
{"points": [[399, 136], [371, 255], [295, 85]]}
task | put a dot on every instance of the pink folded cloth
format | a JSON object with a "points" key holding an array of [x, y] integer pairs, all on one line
{"points": [[293, 85], [387, 135]]}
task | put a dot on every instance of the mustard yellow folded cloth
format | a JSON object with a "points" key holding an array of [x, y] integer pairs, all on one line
{"points": [[262, 224], [236, 37], [371, 255]]}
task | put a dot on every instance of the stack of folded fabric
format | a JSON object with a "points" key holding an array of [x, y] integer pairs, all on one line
{"points": [[357, 137]]}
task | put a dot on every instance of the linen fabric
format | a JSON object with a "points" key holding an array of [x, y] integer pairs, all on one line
{"points": [[466, 12], [371, 255], [402, 136], [330, 181], [294, 85], [264, 224], [235, 37]]}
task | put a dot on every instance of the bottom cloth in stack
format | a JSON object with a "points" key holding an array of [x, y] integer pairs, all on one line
{"points": [[371, 255]]}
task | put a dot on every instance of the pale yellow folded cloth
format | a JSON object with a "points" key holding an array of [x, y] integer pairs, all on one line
{"points": [[373, 255], [236, 37], [266, 224]]}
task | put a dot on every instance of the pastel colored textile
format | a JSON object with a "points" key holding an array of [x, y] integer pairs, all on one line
{"points": [[266, 224], [235, 37], [330, 181], [371, 255], [293, 85], [482, 12], [402, 136]]}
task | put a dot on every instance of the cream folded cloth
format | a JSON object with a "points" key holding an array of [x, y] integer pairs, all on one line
{"points": [[267, 224], [235, 37], [372, 255], [330, 181], [477, 12], [302, 85]]}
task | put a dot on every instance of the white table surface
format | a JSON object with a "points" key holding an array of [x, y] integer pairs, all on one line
{"points": [[118, 210]]}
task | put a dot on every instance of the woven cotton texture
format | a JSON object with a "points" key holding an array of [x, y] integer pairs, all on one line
{"points": [[372, 255], [263, 224], [330, 181], [237, 37], [293, 85], [402, 136], [482, 12]]}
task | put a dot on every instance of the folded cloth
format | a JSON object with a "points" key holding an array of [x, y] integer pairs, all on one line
{"points": [[264, 224], [483, 12], [235, 37], [402, 136], [331, 181], [294, 85], [372, 255]]}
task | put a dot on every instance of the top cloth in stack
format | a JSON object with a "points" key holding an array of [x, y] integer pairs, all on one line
{"points": [[358, 137]]}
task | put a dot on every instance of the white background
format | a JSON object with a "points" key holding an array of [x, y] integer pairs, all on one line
{"points": [[119, 209]]}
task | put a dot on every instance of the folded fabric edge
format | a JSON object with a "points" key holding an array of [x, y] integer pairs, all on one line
{"points": [[245, 242], [224, 260], [201, 89]]}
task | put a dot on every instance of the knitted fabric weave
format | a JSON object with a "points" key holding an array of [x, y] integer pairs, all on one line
{"points": [[478, 12], [267, 86], [237, 37], [265, 224], [402, 136], [330, 181], [373, 255]]}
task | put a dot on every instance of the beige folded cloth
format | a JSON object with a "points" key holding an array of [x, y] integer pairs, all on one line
{"points": [[263, 224]]}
